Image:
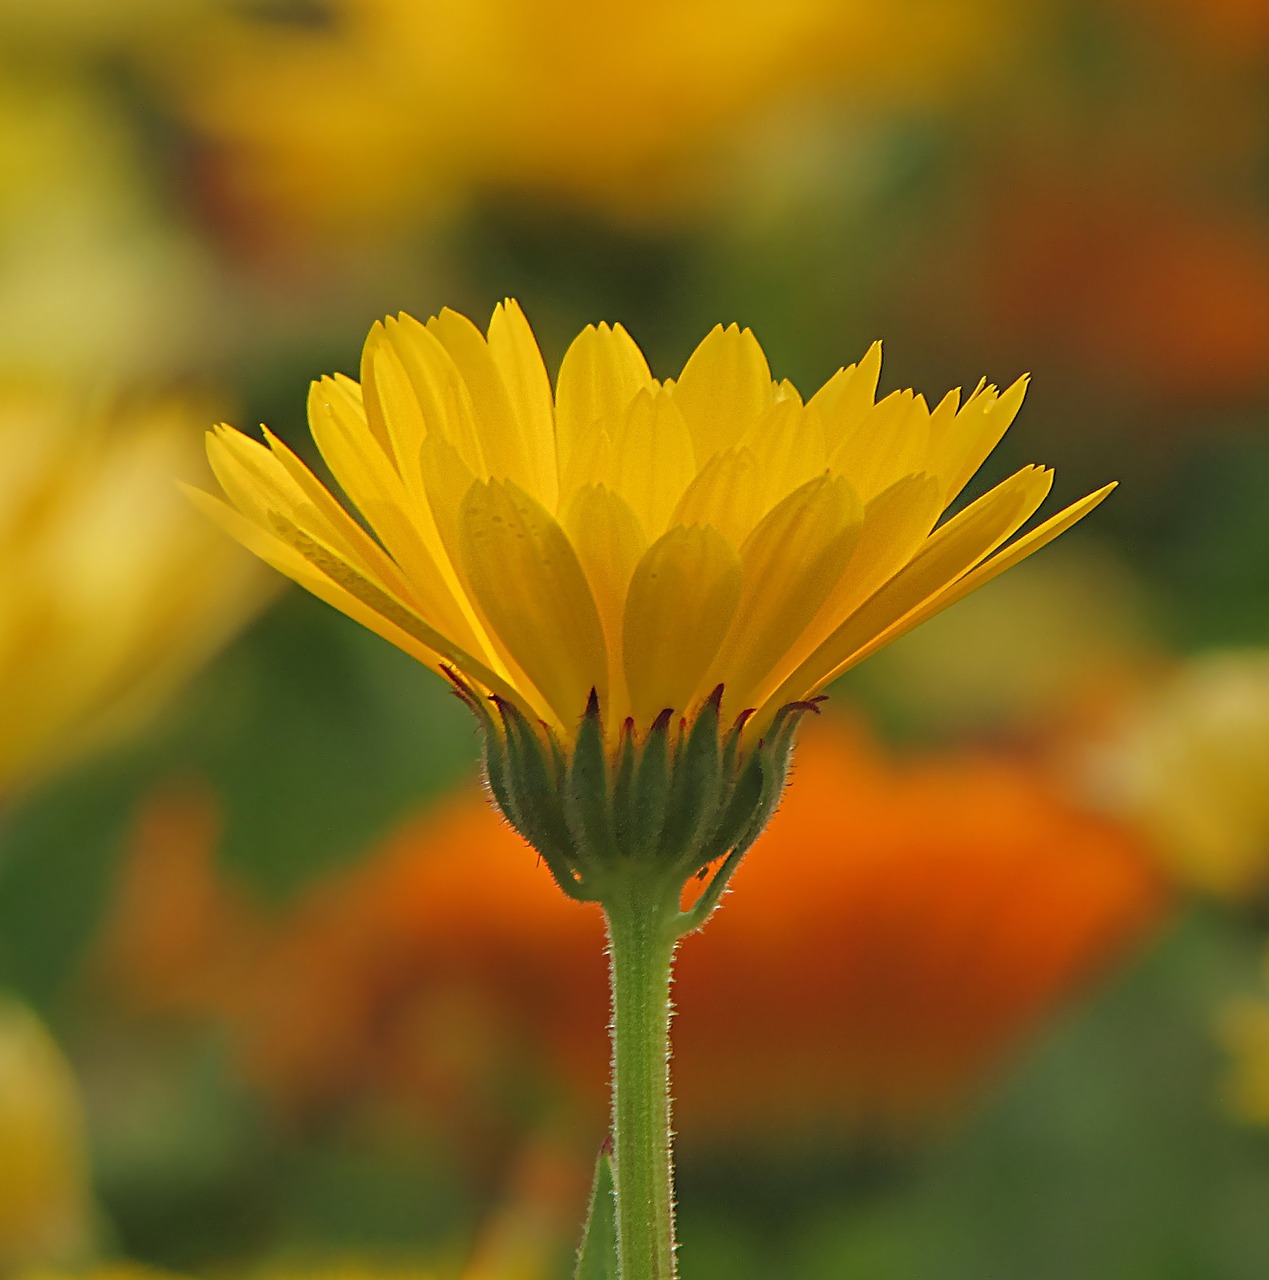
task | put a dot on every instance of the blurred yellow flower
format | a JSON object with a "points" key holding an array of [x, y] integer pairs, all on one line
{"points": [[1193, 765], [392, 108], [1244, 1027], [89, 254], [45, 1206], [108, 1271], [650, 542], [113, 592]]}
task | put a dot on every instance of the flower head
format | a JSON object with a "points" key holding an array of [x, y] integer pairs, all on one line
{"points": [[627, 559]]}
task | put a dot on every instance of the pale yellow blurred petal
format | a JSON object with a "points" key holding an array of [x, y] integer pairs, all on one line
{"points": [[46, 1210]]}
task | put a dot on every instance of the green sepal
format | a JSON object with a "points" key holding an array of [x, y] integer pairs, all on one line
{"points": [[697, 782], [678, 806], [536, 807], [744, 798], [494, 757], [650, 794], [775, 752], [623, 788], [597, 1255], [587, 804]]}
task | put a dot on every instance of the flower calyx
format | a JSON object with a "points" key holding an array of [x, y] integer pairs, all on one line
{"points": [[672, 801]]}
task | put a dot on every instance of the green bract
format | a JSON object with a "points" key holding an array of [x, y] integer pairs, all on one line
{"points": [[674, 801]]}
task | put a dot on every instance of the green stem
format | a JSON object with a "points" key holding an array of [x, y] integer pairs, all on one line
{"points": [[642, 935]]}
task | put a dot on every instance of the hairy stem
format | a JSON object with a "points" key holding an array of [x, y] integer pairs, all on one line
{"points": [[642, 934]]}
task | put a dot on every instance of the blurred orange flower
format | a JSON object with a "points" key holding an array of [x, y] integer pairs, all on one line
{"points": [[898, 931], [1146, 288]]}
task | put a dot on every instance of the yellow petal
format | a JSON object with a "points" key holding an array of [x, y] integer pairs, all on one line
{"points": [[526, 578], [947, 555], [601, 373], [1011, 555], [340, 586], [651, 461], [609, 541], [890, 441], [515, 351], [844, 399], [682, 599], [403, 524], [443, 401], [791, 564], [724, 388], [788, 446], [729, 494], [342, 531], [895, 523], [510, 448], [977, 429]]}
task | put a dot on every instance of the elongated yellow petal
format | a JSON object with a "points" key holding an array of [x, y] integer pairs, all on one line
{"points": [[405, 526], [729, 494], [891, 440], [340, 529], [646, 540], [354, 597], [505, 445], [433, 383], [682, 599], [947, 555], [844, 399], [515, 352], [791, 564], [1006, 558], [788, 447], [650, 459], [977, 429], [895, 523], [609, 540], [533, 593], [602, 372], [724, 388]]}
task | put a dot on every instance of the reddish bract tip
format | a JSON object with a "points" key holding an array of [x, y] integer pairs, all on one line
{"points": [[592, 703], [715, 699], [662, 722]]}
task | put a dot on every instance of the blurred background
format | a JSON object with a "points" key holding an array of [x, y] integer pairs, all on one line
{"points": [[277, 993]]}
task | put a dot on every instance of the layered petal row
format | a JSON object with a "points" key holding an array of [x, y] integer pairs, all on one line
{"points": [[647, 540]]}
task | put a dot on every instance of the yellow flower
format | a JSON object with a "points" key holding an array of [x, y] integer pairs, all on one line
{"points": [[1244, 1028], [650, 559], [396, 108], [112, 591], [45, 1206], [1192, 764], [647, 540]]}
